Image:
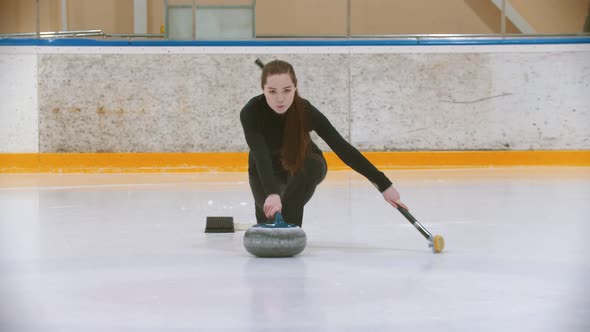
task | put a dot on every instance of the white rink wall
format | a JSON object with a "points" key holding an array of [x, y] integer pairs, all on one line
{"points": [[381, 98], [19, 110]]}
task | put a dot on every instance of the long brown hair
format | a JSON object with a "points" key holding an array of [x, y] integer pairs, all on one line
{"points": [[296, 139]]}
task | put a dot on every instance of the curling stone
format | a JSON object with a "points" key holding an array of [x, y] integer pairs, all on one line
{"points": [[275, 240]]}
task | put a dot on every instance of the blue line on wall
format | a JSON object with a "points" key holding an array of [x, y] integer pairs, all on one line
{"points": [[291, 42]]}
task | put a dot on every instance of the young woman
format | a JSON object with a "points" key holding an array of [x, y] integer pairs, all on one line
{"points": [[285, 166]]}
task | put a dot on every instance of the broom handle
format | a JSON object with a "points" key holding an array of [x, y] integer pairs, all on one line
{"points": [[415, 222]]}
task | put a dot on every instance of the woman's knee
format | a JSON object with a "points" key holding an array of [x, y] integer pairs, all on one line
{"points": [[315, 168]]}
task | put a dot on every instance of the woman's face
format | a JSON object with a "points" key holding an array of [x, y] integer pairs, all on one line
{"points": [[279, 91]]}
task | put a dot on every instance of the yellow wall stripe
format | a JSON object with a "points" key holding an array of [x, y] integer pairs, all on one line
{"points": [[238, 161]]}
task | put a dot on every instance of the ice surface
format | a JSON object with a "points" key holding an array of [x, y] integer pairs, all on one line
{"points": [[128, 252]]}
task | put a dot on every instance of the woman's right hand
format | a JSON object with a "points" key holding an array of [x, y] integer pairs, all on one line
{"points": [[272, 205], [392, 197]]}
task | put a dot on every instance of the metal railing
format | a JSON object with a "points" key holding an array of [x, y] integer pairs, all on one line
{"points": [[79, 34], [55, 34]]}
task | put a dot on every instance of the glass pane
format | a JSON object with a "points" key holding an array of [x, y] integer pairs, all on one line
{"points": [[301, 18], [549, 16], [403, 17], [180, 22], [110, 16], [20, 16], [224, 23]]}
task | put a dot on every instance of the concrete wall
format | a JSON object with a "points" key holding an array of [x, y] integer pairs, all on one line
{"points": [[188, 99]]}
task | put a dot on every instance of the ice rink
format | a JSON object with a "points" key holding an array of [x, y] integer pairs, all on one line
{"points": [[128, 252]]}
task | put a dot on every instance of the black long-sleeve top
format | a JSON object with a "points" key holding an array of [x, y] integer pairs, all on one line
{"points": [[263, 129]]}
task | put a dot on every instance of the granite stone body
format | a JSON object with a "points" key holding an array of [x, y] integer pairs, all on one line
{"points": [[275, 242]]}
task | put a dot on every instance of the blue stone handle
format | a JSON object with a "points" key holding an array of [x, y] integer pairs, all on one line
{"points": [[279, 223]]}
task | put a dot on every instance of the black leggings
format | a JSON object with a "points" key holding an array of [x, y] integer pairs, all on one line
{"points": [[295, 191]]}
